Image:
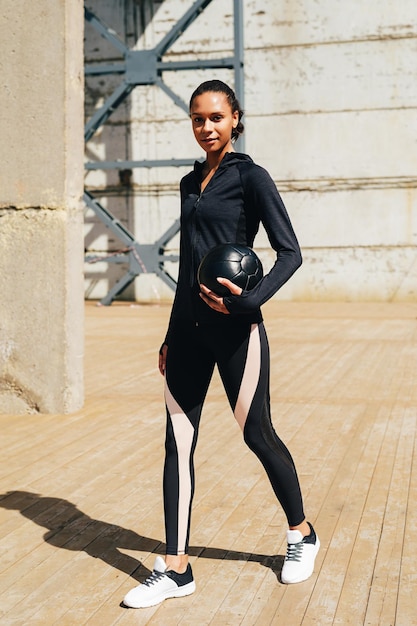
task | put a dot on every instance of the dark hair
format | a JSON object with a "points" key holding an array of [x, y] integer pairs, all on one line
{"points": [[219, 86]]}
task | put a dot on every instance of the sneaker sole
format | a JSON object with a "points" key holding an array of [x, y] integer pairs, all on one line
{"points": [[185, 590], [309, 573]]}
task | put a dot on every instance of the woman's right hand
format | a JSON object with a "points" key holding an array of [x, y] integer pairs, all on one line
{"points": [[163, 358]]}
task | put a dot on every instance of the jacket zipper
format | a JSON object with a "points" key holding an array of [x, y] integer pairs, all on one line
{"points": [[194, 239]]}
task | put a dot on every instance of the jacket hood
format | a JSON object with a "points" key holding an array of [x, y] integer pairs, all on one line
{"points": [[230, 158]]}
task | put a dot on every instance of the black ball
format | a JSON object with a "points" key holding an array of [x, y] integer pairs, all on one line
{"points": [[234, 261]]}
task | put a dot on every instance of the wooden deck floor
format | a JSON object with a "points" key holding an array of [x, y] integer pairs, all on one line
{"points": [[81, 513]]}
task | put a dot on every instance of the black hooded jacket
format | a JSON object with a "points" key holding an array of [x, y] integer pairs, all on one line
{"points": [[240, 195]]}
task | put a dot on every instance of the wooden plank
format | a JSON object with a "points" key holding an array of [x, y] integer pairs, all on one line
{"points": [[376, 520]]}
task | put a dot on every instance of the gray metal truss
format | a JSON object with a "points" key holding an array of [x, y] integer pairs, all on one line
{"points": [[146, 67]]}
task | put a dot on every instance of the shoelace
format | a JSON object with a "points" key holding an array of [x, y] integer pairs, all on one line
{"points": [[294, 551], [153, 578]]}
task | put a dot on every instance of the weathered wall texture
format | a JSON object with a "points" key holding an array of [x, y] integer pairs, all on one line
{"points": [[41, 217], [330, 101]]}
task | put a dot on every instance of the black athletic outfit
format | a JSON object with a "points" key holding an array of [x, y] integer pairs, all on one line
{"points": [[240, 195]]}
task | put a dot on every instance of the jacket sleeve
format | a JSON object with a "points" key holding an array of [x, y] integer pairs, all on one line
{"points": [[262, 197]]}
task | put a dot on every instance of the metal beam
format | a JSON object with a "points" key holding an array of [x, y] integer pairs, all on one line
{"points": [[238, 50], [107, 33], [183, 23], [102, 115], [148, 163]]}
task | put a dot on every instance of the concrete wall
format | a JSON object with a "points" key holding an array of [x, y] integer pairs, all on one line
{"points": [[330, 101], [41, 219]]}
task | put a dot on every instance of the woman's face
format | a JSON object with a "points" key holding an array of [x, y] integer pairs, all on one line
{"points": [[213, 122]]}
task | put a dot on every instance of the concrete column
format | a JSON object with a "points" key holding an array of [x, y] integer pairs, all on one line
{"points": [[41, 217]]}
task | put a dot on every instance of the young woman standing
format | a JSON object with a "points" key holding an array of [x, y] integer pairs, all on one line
{"points": [[223, 200]]}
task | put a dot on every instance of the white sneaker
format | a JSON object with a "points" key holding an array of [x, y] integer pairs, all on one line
{"points": [[159, 586], [301, 554]]}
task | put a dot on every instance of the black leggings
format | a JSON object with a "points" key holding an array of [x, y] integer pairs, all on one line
{"points": [[240, 350]]}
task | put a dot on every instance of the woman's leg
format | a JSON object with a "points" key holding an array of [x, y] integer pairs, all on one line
{"points": [[189, 368], [245, 375], [187, 375]]}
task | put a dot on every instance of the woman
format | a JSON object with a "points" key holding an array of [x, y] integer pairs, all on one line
{"points": [[223, 200]]}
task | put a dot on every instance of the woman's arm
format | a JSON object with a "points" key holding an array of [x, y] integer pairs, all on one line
{"points": [[261, 195]]}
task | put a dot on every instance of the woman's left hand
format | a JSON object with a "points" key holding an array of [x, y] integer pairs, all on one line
{"points": [[216, 302]]}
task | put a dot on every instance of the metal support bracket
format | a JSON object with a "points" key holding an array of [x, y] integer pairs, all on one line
{"points": [[141, 258], [141, 67]]}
